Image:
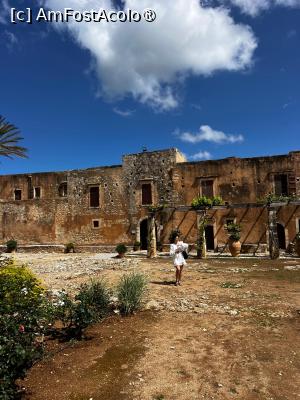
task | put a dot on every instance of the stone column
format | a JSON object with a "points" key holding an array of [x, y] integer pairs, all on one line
{"points": [[152, 253], [273, 238], [201, 241]]}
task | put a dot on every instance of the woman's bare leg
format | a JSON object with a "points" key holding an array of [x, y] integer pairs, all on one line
{"points": [[180, 273], [177, 274]]}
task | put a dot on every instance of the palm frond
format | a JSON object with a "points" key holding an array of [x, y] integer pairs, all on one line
{"points": [[9, 138]]}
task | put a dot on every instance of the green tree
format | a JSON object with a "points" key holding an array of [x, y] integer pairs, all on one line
{"points": [[9, 138]]}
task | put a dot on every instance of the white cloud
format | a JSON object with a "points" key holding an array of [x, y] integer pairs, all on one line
{"points": [[147, 60], [10, 39], [197, 107], [206, 133], [254, 7], [123, 113], [201, 155], [4, 11]]}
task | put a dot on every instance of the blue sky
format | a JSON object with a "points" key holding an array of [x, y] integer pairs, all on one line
{"points": [[80, 102]]}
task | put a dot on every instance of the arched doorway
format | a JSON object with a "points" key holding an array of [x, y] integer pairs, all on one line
{"points": [[210, 237], [281, 236], [144, 234]]}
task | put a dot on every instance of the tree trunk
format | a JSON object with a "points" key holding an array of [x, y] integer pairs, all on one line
{"points": [[273, 238], [201, 240], [152, 253]]}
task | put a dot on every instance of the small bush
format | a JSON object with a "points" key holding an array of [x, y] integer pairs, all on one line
{"points": [[231, 285], [90, 305], [121, 248], [130, 291], [19, 350], [206, 202], [234, 231], [23, 320], [20, 290], [69, 248], [11, 246]]}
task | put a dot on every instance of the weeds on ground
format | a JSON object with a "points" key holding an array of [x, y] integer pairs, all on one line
{"points": [[231, 285], [159, 397]]}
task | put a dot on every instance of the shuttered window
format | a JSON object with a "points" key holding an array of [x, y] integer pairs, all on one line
{"points": [[146, 194], [207, 188], [281, 185], [94, 196]]}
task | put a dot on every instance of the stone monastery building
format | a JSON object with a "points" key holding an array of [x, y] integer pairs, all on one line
{"points": [[105, 206]]}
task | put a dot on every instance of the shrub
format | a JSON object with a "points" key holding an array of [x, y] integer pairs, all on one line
{"points": [[24, 318], [131, 291], [273, 198], [206, 202], [11, 246], [156, 208], [20, 290], [19, 350], [234, 231], [70, 248], [121, 248], [90, 305]]}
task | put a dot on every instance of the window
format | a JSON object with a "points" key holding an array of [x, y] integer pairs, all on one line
{"points": [[207, 188], [281, 185], [94, 196], [146, 194], [18, 194], [37, 192], [96, 223], [63, 189]]}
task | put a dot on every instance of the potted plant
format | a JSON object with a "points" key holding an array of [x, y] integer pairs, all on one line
{"points": [[69, 248], [121, 249], [297, 244], [11, 246], [202, 202], [234, 232], [136, 246]]}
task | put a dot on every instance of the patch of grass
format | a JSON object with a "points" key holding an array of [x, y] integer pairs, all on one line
{"points": [[159, 397], [131, 291], [231, 285]]}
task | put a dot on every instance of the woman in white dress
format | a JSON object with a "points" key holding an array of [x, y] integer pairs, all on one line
{"points": [[176, 250]]}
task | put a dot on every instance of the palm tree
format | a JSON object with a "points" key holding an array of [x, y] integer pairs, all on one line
{"points": [[9, 137]]}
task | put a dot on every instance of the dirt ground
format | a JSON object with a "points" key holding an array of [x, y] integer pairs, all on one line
{"points": [[231, 331]]}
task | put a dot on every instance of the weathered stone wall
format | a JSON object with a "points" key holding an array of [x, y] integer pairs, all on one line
{"points": [[57, 220]]}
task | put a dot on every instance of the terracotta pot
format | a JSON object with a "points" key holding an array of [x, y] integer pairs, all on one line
{"points": [[235, 247], [121, 255], [297, 247]]}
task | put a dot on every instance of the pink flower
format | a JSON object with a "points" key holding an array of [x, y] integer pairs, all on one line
{"points": [[21, 328]]}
